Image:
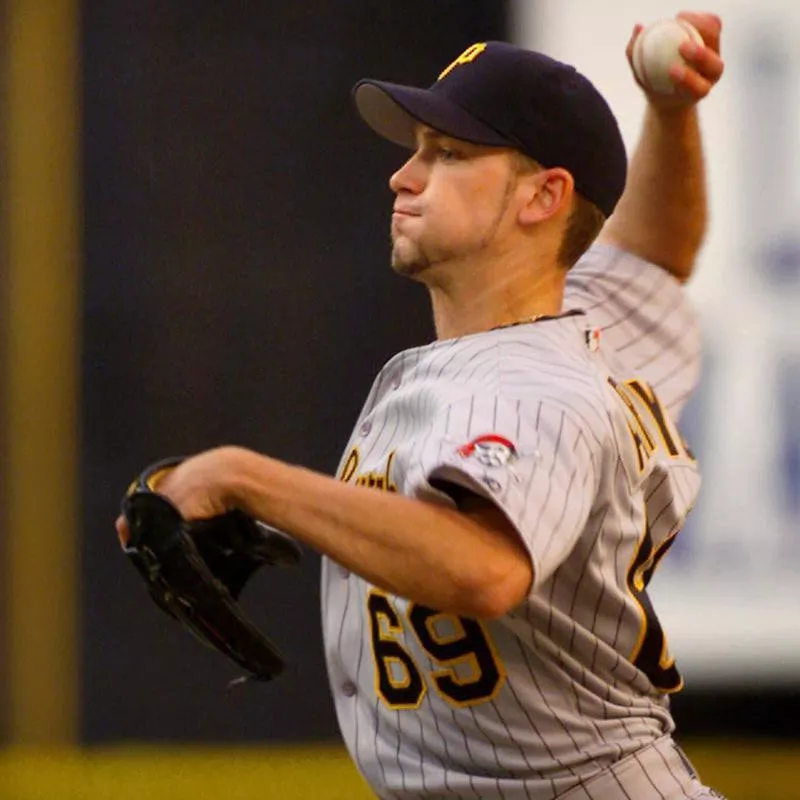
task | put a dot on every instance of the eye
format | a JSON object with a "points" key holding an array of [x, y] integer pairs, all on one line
{"points": [[447, 154]]}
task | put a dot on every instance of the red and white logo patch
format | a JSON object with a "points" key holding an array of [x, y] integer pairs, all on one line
{"points": [[490, 450]]}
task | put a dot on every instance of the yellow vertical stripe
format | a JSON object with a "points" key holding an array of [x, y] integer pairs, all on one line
{"points": [[42, 224]]}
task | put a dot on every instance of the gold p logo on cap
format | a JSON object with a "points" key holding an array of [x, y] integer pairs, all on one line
{"points": [[470, 54]]}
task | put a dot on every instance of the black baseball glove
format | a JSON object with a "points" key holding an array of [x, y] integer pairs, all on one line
{"points": [[195, 570]]}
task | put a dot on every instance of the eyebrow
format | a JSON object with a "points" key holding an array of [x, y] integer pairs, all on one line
{"points": [[423, 133], [428, 135]]}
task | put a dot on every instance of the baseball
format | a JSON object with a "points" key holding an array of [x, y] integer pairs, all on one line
{"points": [[656, 50]]}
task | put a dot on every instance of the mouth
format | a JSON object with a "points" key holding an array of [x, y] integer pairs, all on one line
{"points": [[399, 212], [401, 219]]}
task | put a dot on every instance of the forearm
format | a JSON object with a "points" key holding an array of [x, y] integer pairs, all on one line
{"points": [[434, 555], [662, 214]]}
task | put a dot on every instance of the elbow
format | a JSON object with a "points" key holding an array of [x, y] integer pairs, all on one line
{"points": [[680, 269], [499, 590], [680, 263], [680, 259]]}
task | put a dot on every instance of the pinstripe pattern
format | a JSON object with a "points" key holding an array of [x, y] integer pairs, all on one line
{"points": [[573, 693], [645, 319]]}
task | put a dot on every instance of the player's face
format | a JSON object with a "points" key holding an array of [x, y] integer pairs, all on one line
{"points": [[452, 202]]}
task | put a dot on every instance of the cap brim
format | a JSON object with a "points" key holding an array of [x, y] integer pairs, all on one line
{"points": [[393, 111]]}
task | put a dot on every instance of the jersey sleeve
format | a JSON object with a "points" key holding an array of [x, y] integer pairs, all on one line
{"points": [[645, 316], [533, 460]]}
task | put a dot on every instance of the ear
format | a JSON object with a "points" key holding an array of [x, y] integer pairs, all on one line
{"points": [[551, 194]]}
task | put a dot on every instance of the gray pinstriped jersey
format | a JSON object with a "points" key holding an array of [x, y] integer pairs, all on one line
{"points": [[585, 461], [645, 317]]}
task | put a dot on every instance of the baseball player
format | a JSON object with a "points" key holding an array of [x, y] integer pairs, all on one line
{"points": [[510, 488]]}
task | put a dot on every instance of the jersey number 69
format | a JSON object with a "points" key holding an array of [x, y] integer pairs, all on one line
{"points": [[470, 671]]}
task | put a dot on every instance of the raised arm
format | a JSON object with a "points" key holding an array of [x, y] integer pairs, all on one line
{"points": [[662, 214]]}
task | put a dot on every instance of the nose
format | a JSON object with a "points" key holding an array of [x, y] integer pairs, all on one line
{"points": [[410, 177]]}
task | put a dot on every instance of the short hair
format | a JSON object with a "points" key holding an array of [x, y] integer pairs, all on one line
{"points": [[584, 223]]}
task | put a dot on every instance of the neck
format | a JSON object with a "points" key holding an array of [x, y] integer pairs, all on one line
{"points": [[495, 295]]}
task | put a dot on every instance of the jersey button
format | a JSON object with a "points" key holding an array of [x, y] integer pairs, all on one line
{"points": [[344, 572], [366, 427], [349, 689]]}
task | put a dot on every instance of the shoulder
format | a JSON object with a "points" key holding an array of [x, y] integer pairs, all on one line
{"points": [[647, 318], [520, 358], [544, 372], [605, 272], [551, 358]]}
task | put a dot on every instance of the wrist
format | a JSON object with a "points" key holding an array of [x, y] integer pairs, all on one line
{"points": [[671, 109], [253, 481], [235, 469]]}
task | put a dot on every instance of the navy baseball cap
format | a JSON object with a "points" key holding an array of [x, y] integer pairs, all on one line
{"points": [[501, 95]]}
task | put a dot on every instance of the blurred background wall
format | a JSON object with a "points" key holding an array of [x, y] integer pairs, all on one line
{"points": [[729, 595], [195, 230]]}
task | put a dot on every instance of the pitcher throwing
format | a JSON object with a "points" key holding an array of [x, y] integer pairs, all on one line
{"points": [[509, 489]]}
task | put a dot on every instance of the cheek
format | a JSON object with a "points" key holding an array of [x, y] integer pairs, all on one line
{"points": [[477, 203], [459, 214]]}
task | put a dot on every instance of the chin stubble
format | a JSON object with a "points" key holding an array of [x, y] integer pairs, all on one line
{"points": [[423, 260]]}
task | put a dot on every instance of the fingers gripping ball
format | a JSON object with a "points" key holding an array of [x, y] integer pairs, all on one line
{"points": [[655, 51], [195, 570]]}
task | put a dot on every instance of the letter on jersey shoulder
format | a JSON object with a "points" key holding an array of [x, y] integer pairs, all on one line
{"points": [[649, 424]]}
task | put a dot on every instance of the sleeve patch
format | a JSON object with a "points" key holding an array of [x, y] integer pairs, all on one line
{"points": [[489, 450]]}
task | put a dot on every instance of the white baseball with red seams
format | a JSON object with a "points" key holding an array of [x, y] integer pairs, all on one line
{"points": [[656, 50]]}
